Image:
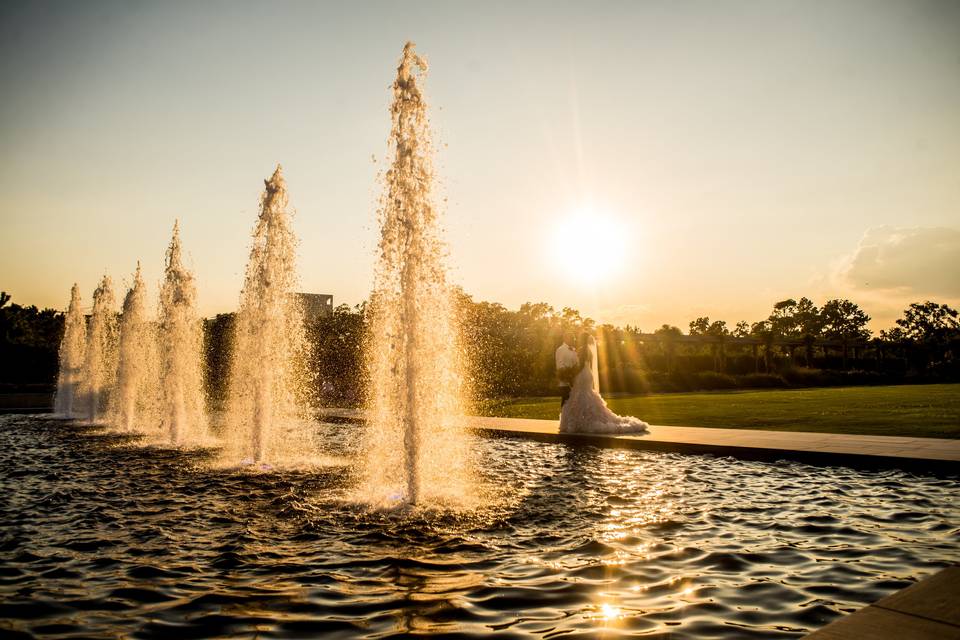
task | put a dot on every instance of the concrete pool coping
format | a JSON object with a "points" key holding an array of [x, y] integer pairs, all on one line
{"points": [[924, 454], [926, 610]]}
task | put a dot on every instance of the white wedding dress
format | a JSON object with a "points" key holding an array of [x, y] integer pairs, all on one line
{"points": [[585, 411]]}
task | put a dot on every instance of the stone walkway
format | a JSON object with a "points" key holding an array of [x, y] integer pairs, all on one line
{"points": [[928, 610], [926, 454]]}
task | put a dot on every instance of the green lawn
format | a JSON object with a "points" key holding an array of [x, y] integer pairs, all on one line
{"points": [[931, 411]]}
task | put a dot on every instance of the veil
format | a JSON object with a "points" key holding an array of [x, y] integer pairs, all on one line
{"points": [[594, 365]]}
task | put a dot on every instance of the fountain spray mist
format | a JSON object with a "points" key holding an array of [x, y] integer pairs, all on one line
{"points": [[266, 409], [182, 413], [72, 348], [99, 363], [416, 448], [133, 403]]}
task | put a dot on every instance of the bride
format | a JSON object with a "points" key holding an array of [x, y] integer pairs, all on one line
{"points": [[585, 411]]}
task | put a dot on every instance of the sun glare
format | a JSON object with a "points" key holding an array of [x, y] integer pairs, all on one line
{"points": [[589, 246]]}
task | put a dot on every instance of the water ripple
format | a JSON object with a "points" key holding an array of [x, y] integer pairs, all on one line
{"points": [[102, 538]]}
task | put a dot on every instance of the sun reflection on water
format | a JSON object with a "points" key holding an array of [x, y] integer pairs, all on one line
{"points": [[609, 611]]}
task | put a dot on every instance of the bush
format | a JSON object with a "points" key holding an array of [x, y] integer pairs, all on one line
{"points": [[806, 377], [763, 381], [711, 380], [638, 381]]}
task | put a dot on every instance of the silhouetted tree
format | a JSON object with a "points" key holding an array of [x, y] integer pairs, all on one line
{"points": [[699, 326], [218, 350], [809, 325], [783, 321], [929, 321], [29, 343], [668, 343], [763, 330], [933, 328], [511, 352], [844, 321], [718, 331], [337, 342]]}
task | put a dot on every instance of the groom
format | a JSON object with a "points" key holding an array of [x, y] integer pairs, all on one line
{"points": [[567, 365]]}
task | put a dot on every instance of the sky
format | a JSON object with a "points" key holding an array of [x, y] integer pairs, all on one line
{"points": [[718, 156]]}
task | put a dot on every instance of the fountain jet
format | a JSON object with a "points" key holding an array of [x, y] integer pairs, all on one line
{"points": [[180, 340], [135, 391], [416, 450], [267, 379], [99, 364], [72, 348]]}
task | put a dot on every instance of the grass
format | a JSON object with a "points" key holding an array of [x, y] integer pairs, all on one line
{"points": [[931, 411]]}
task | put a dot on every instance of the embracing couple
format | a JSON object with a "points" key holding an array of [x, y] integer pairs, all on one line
{"points": [[582, 409]]}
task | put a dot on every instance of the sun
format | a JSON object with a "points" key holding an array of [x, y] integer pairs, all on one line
{"points": [[589, 247]]}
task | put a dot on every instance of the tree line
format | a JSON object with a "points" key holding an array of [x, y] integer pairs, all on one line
{"points": [[798, 344], [511, 352]]}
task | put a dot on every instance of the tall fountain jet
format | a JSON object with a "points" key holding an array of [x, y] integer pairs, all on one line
{"points": [[266, 378], [99, 365], [416, 451], [136, 384], [182, 413], [72, 348]]}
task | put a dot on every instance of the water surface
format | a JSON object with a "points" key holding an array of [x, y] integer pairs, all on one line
{"points": [[102, 538]]}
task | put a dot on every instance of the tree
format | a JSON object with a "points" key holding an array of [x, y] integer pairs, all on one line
{"points": [[717, 330], [699, 326], [783, 321], [668, 335], [844, 321], [794, 319], [29, 343], [808, 317], [933, 328], [571, 317], [809, 324], [928, 322], [218, 349], [764, 331], [338, 342], [667, 331], [895, 336], [536, 310]]}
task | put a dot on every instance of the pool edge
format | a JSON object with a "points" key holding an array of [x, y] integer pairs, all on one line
{"points": [[926, 609]]}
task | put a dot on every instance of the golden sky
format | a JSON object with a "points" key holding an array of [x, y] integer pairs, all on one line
{"points": [[738, 153]]}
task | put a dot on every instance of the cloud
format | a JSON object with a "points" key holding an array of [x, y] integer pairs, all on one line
{"points": [[922, 261]]}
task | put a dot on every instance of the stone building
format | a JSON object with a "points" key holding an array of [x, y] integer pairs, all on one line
{"points": [[315, 305]]}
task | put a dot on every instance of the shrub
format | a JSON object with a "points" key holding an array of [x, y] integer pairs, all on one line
{"points": [[763, 381], [710, 380], [806, 377]]}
